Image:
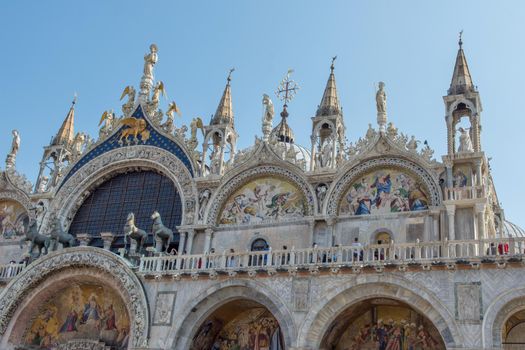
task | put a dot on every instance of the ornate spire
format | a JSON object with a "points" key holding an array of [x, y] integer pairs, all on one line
{"points": [[66, 133], [330, 102], [224, 113], [461, 79]]}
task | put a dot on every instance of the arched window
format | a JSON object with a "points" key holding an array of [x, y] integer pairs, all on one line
{"points": [[141, 192], [259, 245]]}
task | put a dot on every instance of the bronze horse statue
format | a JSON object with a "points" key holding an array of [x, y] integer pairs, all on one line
{"points": [[58, 235], [36, 239], [161, 231], [130, 230]]}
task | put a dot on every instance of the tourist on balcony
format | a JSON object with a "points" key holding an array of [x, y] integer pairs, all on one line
{"points": [[358, 249], [492, 249], [503, 248], [285, 259], [231, 261]]}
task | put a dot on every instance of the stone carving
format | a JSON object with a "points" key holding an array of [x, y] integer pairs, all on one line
{"points": [[204, 198], [38, 240], [391, 131], [324, 158], [468, 302], [58, 235], [149, 61], [158, 90], [127, 107], [42, 186], [321, 192], [82, 344], [267, 118], [81, 257], [15, 146], [465, 143], [232, 184], [164, 304], [381, 106], [79, 144], [301, 294], [412, 144], [108, 122], [169, 125], [133, 232], [163, 235], [340, 188]]}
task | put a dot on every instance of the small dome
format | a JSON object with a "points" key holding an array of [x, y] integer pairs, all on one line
{"points": [[283, 132], [301, 153], [512, 230]]}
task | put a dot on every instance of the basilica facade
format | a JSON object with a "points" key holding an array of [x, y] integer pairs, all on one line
{"points": [[158, 236]]}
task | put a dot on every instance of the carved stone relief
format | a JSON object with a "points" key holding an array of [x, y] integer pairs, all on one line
{"points": [[164, 304], [301, 294], [468, 302]]}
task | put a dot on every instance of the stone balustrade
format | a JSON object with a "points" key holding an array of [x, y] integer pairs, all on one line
{"points": [[8, 271], [463, 193], [436, 252]]}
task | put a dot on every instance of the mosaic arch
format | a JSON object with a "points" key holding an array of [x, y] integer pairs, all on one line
{"points": [[264, 199], [80, 311], [239, 325], [419, 178], [82, 293], [381, 324], [382, 191], [13, 219]]}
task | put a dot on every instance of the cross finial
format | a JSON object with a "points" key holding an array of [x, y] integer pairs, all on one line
{"points": [[74, 99], [230, 74], [460, 38], [333, 61]]}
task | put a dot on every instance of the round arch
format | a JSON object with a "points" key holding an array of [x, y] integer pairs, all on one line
{"points": [[497, 314], [75, 190], [222, 293], [321, 316], [234, 182], [341, 185], [55, 269]]}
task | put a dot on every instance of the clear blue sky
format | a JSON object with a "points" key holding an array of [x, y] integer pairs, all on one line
{"points": [[52, 49]]}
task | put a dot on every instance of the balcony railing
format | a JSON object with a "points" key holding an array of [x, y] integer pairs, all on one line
{"points": [[360, 256], [8, 271], [461, 193]]}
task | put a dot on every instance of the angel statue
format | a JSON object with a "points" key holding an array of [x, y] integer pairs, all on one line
{"points": [[108, 118], [172, 109], [465, 143], [158, 90], [79, 143], [15, 144], [127, 107], [267, 117], [150, 60], [195, 124]]}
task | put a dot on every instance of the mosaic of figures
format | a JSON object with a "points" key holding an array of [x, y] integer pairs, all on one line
{"points": [[81, 311], [263, 199], [387, 190], [254, 329], [390, 328], [13, 219]]}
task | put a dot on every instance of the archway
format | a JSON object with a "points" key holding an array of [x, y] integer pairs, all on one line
{"points": [[381, 323], [96, 287], [250, 293], [239, 324], [513, 332]]}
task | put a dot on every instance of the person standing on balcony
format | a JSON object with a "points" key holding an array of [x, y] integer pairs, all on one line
{"points": [[358, 252]]}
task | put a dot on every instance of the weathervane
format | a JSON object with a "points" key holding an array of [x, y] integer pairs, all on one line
{"points": [[230, 74], [460, 38], [286, 91]]}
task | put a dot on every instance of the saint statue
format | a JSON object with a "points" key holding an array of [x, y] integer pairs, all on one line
{"points": [[381, 98], [465, 144], [267, 118], [150, 60], [15, 145]]}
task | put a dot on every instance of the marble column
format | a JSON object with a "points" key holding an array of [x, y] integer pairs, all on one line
{"points": [[84, 239], [480, 216], [451, 212], [479, 180], [189, 244], [207, 240], [182, 242], [107, 238]]}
